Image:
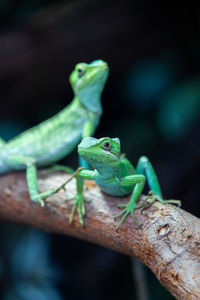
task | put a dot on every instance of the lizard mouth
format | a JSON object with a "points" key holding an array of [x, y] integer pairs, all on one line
{"points": [[89, 156]]}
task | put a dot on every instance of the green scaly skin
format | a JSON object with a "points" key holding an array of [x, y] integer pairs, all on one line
{"points": [[56, 137], [116, 176]]}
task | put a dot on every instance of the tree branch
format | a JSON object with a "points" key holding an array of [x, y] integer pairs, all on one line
{"points": [[168, 241]]}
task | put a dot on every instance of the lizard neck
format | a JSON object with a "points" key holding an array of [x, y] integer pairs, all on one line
{"points": [[91, 108], [75, 104], [91, 101]]}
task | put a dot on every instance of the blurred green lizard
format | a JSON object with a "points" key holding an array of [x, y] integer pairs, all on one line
{"points": [[56, 137], [116, 176]]}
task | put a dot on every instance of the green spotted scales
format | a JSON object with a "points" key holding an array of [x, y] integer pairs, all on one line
{"points": [[56, 137]]}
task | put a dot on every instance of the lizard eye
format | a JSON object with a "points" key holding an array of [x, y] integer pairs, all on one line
{"points": [[107, 146], [81, 72]]}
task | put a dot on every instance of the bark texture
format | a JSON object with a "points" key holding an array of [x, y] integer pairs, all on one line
{"points": [[168, 241]]}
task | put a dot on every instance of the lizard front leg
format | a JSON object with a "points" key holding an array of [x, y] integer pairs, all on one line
{"points": [[17, 162], [145, 167], [80, 198], [137, 182]]}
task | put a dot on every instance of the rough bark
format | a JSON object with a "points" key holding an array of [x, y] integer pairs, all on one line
{"points": [[168, 241]]}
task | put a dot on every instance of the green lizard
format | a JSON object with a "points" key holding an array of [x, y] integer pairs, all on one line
{"points": [[56, 137], [116, 176]]}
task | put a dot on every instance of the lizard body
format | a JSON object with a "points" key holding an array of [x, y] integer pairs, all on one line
{"points": [[53, 139], [56, 137], [116, 176]]}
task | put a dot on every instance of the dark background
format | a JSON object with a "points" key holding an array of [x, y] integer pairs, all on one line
{"points": [[151, 102]]}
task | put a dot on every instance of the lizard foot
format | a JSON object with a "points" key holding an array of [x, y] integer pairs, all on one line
{"points": [[129, 208], [80, 207], [41, 202], [151, 198], [39, 198]]}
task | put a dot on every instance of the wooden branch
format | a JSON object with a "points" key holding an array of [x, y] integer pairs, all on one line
{"points": [[168, 241]]}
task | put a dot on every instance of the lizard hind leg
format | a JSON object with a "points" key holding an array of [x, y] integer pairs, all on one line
{"points": [[145, 167], [20, 162]]}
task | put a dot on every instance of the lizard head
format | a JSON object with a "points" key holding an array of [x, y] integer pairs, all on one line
{"points": [[87, 81], [100, 152]]}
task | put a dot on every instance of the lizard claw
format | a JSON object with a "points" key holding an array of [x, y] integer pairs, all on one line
{"points": [[151, 198], [41, 202], [129, 209], [79, 207]]}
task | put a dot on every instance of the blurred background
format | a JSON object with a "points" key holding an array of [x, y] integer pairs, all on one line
{"points": [[151, 102]]}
